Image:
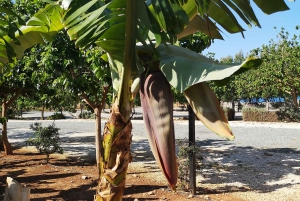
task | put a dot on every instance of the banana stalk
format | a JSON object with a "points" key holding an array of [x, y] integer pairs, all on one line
{"points": [[207, 108], [157, 102]]}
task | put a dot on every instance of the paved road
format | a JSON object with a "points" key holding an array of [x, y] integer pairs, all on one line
{"points": [[78, 135]]}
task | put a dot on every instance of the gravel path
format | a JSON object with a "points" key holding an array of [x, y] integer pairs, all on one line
{"points": [[262, 163]]}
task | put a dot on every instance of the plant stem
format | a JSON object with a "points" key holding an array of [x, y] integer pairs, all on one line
{"points": [[129, 61]]}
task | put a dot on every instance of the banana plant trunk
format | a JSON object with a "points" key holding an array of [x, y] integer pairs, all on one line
{"points": [[117, 139], [115, 157]]}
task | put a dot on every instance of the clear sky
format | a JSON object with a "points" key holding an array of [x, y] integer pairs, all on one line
{"points": [[255, 37]]}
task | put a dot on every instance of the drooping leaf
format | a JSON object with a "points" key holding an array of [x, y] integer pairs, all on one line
{"points": [[207, 108]]}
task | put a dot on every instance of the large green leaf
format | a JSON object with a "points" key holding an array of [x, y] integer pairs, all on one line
{"points": [[184, 68], [45, 24], [271, 6], [226, 13], [204, 24]]}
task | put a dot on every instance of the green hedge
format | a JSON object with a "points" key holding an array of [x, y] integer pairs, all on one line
{"points": [[56, 116], [262, 115]]}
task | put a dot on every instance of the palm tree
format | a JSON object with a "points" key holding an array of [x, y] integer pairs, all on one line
{"points": [[139, 38]]}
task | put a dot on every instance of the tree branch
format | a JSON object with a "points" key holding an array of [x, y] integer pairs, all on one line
{"points": [[105, 91], [88, 101], [14, 97]]}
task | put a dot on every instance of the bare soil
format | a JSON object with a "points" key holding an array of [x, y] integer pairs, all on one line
{"points": [[76, 179]]}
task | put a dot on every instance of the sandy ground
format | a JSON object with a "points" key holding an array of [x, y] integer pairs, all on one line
{"points": [[262, 163]]}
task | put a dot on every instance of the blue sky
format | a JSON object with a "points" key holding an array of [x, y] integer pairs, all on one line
{"points": [[255, 37]]}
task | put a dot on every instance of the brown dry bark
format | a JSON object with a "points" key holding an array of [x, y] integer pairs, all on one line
{"points": [[115, 157]]}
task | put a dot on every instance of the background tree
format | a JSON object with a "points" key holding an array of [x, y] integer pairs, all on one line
{"points": [[79, 73], [228, 92], [280, 72], [13, 86], [15, 78]]}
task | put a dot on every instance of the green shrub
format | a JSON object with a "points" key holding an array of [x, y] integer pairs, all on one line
{"points": [[289, 113], [46, 139], [229, 113], [183, 163], [56, 116], [86, 115]]}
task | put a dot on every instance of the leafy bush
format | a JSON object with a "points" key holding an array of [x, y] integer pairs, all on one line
{"points": [[46, 139], [289, 113], [56, 116], [86, 115], [183, 163], [229, 113], [276, 105]]}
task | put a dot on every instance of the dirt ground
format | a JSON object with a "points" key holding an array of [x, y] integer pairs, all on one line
{"points": [[76, 179]]}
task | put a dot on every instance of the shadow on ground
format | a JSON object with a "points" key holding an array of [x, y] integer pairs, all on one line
{"points": [[235, 168]]}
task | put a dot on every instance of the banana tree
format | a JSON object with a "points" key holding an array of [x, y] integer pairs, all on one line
{"points": [[138, 38]]}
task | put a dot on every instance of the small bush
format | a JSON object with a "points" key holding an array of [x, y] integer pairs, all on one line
{"points": [[289, 113], [276, 104], [56, 116], [46, 139], [183, 163], [86, 115], [229, 113]]}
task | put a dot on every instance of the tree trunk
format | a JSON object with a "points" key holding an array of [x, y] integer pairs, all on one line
{"points": [[97, 112], [115, 157], [267, 104], [81, 111], [43, 112], [97, 107], [6, 144], [294, 97]]}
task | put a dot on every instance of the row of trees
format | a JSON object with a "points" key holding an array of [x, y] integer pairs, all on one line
{"points": [[278, 76], [137, 38]]}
